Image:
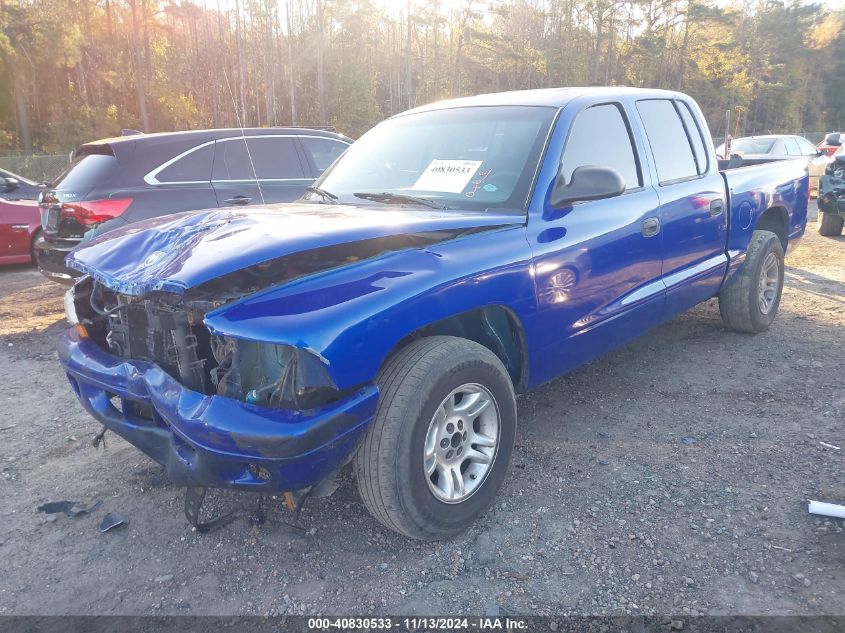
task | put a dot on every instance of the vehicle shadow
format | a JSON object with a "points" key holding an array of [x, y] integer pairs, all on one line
{"points": [[812, 283]]}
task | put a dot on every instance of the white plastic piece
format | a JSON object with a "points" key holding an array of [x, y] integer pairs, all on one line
{"points": [[70, 308], [826, 445], [827, 509]]}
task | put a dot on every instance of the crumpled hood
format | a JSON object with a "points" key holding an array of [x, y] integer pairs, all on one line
{"points": [[178, 252]]}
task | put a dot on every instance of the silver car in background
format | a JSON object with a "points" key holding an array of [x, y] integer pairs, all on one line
{"points": [[769, 146]]}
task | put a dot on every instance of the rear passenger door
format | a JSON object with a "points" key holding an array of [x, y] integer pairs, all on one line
{"points": [[274, 161], [692, 202], [183, 183]]}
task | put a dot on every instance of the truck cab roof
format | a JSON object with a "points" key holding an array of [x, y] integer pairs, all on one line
{"points": [[551, 97]]}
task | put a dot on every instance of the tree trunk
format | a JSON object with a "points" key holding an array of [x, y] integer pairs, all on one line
{"points": [[290, 65], [408, 81], [321, 85], [139, 71], [23, 115]]}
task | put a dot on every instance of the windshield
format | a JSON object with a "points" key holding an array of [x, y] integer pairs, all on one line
{"points": [[469, 158], [752, 145]]}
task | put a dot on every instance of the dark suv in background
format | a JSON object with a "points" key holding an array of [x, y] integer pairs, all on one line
{"points": [[120, 180]]}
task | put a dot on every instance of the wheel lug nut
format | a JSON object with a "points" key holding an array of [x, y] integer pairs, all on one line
{"points": [[465, 435], [450, 428], [460, 425], [449, 454], [460, 450], [444, 443]]}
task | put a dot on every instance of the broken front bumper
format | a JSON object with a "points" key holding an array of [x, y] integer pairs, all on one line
{"points": [[832, 195], [213, 441]]}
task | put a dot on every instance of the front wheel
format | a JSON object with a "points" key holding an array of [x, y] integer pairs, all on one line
{"points": [[440, 445], [751, 300]]}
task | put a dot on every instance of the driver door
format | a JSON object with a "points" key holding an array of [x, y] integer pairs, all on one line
{"points": [[598, 263]]}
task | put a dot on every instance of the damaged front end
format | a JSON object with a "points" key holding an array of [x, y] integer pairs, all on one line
{"points": [[168, 330], [159, 357], [268, 375], [215, 411], [831, 197]]}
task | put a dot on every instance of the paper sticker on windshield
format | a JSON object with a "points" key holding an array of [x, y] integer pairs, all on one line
{"points": [[448, 176]]}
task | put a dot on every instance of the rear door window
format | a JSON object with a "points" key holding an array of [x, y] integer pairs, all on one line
{"points": [[274, 158], [323, 151], [600, 136], [193, 167], [695, 135], [752, 145], [791, 147], [807, 148], [670, 145]]}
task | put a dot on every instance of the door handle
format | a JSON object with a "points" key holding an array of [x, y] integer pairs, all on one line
{"points": [[717, 206], [651, 227], [238, 200]]}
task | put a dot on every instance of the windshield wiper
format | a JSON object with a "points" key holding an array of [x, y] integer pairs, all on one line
{"points": [[325, 195], [387, 197]]}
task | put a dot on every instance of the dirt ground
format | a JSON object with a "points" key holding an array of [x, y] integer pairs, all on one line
{"points": [[670, 477]]}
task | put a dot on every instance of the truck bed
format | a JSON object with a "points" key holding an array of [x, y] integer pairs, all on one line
{"points": [[750, 193]]}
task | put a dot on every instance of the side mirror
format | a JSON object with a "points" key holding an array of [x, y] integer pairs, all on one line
{"points": [[10, 184], [588, 182]]}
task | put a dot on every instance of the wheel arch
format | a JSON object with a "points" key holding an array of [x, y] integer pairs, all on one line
{"points": [[494, 326], [776, 220]]}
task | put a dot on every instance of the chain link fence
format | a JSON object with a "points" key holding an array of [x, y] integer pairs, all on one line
{"points": [[37, 167]]}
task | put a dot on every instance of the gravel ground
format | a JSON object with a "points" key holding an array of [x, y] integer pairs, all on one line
{"points": [[669, 477]]}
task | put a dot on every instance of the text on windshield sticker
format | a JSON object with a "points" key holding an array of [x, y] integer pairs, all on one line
{"points": [[448, 176]]}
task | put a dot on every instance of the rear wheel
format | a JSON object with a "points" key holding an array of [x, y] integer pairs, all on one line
{"points": [[35, 238], [441, 442], [751, 301], [830, 223]]}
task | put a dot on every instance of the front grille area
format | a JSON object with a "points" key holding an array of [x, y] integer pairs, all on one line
{"points": [[172, 337]]}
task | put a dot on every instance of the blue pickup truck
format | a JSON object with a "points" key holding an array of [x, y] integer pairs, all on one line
{"points": [[457, 254]]}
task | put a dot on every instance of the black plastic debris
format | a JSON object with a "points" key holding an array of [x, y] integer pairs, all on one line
{"points": [[70, 508], [100, 438], [112, 520], [194, 498]]}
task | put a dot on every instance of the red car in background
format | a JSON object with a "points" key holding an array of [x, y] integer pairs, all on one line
{"points": [[20, 225], [830, 143]]}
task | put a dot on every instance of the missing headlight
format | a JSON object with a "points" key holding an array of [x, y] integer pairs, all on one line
{"points": [[270, 375]]}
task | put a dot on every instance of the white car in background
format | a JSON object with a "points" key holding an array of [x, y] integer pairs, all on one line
{"points": [[769, 146]]}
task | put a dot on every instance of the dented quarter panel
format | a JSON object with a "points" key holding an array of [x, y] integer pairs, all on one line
{"points": [[355, 315]]}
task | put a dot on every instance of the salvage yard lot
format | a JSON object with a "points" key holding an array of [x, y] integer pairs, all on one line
{"points": [[669, 477]]}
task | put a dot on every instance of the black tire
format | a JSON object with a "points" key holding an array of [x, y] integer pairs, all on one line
{"points": [[32, 254], [738, 302], [389, 464], [830, 224]]}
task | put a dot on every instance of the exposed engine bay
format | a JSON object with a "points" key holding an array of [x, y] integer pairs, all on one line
{"points": [[832, 187], [168, 329]]}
